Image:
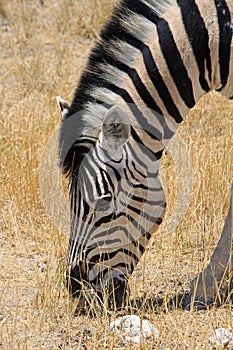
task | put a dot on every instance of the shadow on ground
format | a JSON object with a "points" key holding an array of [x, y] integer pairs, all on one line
{"points": [[159, 304]]}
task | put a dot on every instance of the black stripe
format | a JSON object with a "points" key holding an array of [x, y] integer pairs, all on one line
{"points": [[139, 185], [140, 162], [144, 200], [144, 149], [99, 278], [146, 98], [143, 93], [170, 52], [175, 63], [112, 231], [116, 172], [132, 177], [74, 198], [100, 54], [108, 242], [198, 38], [136, 169], [143, 214], [149, 129], [98, 186], [150, 103], [106, 256], [225, 37], [86, 174], [85, 210], [133, 157], [160, 86], [104, 175], [151, 189], [112, 217], [109, 232]]}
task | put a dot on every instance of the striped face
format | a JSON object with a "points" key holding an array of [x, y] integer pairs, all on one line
{"points": [[113, 207]]}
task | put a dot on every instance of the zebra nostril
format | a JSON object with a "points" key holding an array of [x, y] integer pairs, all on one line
{"points": [[103, 203]]}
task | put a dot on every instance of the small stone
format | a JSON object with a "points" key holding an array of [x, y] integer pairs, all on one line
{"points": [[221, 338], [134, 329]]}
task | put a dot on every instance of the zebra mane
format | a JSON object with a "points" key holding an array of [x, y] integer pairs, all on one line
{"points": [[93, 97]]}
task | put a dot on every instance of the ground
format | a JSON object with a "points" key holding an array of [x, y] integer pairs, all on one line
{"points": [[44, 46]]}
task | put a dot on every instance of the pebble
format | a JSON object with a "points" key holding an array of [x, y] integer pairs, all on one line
{"points": [[221, 338], [134, 330]]}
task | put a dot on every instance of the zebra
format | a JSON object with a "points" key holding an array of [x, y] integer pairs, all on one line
{"points": [[153, 61]]}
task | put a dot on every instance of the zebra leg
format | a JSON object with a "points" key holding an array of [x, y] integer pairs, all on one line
{"points": [[205, 289]]}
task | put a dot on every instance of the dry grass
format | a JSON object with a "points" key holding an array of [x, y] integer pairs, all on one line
{"points": [[44, 47]]}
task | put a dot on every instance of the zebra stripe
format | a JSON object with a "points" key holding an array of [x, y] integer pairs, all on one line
{"points": [[153, 62]]}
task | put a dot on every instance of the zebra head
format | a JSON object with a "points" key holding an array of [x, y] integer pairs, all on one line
{"points": [[111, 200]]}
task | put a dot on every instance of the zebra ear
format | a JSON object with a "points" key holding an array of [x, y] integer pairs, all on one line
{"points": [[63, 105], [115, 130]]}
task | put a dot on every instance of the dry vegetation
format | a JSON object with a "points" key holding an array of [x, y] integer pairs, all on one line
{"points": [[44, 46]]}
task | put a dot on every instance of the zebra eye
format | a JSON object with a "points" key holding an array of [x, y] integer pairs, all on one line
{"points": [[103, 203]]}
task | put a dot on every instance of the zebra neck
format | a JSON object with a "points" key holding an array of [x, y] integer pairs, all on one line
{"points": [[156, 62]]}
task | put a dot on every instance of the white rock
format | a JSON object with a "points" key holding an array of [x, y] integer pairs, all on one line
{"points": [[221, 337], [134, 330]]}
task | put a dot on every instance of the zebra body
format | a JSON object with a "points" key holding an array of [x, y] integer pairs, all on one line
{"points": [[153, 62]]}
